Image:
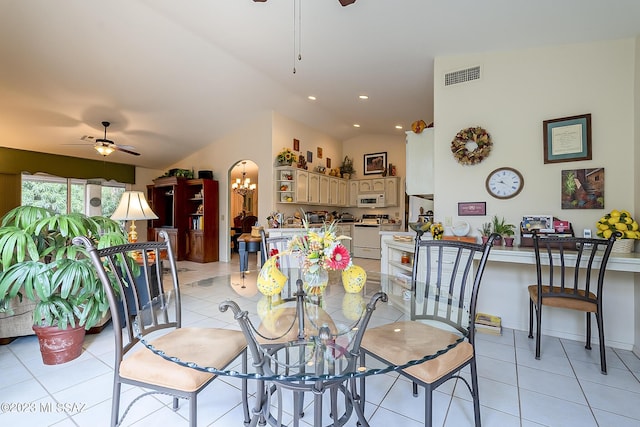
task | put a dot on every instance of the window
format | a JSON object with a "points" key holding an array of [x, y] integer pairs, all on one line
{"points": [[64, 195]]}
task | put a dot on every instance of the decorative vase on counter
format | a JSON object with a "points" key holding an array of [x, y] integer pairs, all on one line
{"points": [[316, 281], [353, 279]]}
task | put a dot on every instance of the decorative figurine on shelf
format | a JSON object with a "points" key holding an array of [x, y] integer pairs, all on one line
{"points": [[437, 230], [302, 162]]}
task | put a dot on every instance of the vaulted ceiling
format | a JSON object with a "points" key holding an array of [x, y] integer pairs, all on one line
{"points": [[172, 76]]}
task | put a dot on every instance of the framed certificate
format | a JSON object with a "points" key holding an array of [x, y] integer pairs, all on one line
{"points": [[567, 139]]}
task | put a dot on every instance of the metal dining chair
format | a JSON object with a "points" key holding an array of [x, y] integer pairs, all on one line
{"points": [[132, 275], [447, 274], [570, 274]]}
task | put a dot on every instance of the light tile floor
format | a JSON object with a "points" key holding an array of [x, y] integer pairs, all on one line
{"points": [[564, 388]]}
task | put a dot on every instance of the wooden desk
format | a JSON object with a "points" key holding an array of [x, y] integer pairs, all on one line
{"points": [[247, 243]]}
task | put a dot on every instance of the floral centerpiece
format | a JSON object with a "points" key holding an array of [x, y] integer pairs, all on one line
{"points": [[320, 250], [286, 157]]}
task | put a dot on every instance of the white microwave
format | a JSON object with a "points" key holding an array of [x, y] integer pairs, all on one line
{"points": [[372, 200]]}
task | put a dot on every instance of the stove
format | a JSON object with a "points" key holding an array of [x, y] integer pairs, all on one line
{"points": [[372, 219]]}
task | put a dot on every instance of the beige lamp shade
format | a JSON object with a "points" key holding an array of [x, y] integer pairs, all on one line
{"points": [[133, 206]]}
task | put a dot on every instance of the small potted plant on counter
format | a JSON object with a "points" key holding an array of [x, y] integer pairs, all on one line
{"points": [[506, 231], [485, 232]]}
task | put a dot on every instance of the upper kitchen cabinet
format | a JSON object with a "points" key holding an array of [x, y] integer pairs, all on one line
{"points": [[419, 163], [391, 191], [354, 189]]}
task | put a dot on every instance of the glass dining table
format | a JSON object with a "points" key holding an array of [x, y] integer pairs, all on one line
{"points": [[306, 341]]}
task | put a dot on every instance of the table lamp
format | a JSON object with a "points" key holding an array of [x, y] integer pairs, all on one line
{"points": [[133, 206]]}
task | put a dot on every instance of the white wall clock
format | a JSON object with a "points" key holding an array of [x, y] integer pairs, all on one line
{"points": [[504, 183]]}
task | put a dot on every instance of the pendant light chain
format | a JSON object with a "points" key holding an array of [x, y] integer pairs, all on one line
{"points": [[297, 6]]}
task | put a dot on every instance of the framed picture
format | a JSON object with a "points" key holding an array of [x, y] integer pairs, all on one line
{"points": [[567, 139], [309, 157], [472, 208], [319, 152], [296, 144], [583, 188], [375, 163], [328, 163]]}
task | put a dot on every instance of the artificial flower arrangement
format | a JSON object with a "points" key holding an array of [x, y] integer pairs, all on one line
{"points": [[320, 249], [437, 230], [618, 221], [286, 156]]}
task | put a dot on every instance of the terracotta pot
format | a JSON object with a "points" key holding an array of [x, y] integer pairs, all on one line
{"points": [[508, 241], [59, 345]]}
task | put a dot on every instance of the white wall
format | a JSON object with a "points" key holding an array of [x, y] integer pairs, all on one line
{"points": [[516, 93], [251, 142]]}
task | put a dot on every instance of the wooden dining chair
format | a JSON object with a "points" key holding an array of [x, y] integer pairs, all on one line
{"points": [[445, 282], [570, 274], [132, 275]]}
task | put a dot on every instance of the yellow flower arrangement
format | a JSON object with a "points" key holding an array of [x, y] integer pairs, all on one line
{"points": [[618, 221], [286, 156], [437, 230]]}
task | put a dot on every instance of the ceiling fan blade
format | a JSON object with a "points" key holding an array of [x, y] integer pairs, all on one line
{"points": [[124, 150], [346, 2]]}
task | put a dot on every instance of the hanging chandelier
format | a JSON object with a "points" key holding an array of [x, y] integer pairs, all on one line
{"points": [[243, 186]]}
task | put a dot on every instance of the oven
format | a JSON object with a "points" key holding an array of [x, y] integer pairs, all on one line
{"points": [[366, 237]]}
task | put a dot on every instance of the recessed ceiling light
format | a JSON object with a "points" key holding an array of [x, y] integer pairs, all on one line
{"points": [[363, 97], [398, 126], [355, 125], [311, 97]]}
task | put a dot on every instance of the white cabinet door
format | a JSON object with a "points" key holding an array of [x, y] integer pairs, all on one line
{"points": [[333, 191], [324, 197], [314, 188], [302, 186], [365, 186], [419, 152], [391, 191], [377, 185], [354, 189], [342, 192]]}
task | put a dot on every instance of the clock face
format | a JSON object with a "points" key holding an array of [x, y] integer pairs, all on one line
{"points": [[504, 183]]}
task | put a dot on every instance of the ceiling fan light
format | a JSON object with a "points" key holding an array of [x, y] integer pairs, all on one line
{"points": [[103, 149]]}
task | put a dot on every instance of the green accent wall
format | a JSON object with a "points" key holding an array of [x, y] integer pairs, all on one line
{"points": [[13, 161]]}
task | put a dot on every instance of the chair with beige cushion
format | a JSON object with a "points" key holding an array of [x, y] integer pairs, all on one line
{"points": [[560, 284], [443, 270], [136, 364]]}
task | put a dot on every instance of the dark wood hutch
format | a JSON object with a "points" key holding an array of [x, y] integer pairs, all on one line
{"points": [[187, 210]]}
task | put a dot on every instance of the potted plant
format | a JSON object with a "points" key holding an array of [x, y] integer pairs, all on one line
{"points": [[39, 262], [485, 232], [346, 169], [506, 231]]}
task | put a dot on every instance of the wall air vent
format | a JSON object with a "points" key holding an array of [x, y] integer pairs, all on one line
{"points": [[462, 76]]}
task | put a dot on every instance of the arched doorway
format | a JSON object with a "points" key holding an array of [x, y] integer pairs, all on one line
{"points": [[243, 196]]}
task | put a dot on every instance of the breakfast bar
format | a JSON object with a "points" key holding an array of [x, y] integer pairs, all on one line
{"points": [[504, 291]]}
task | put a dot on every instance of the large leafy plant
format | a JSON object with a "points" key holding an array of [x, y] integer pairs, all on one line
{"points": [[39, 261]]}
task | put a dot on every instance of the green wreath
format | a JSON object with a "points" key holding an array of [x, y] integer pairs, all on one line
{"points": [[477, 135]]}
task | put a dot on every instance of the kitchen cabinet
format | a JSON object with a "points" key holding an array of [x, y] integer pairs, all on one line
{"points": [[302, 186], [354, 189], [342, 192], [375, 185], [391, 191], [324, 196], [314, 188], [419, 162]]}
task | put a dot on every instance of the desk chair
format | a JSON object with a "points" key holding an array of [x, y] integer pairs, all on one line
{"points": [[134, 363], [446, 268], [560, 284]]}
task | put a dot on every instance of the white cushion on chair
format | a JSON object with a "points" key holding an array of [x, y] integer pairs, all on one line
{"points": [[401, 342], [208, 347]]}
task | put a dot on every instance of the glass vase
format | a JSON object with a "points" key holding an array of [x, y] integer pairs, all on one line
{"points": [[315, 281]]}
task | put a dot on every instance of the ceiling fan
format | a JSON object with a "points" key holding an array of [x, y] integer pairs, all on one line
{"points": [[105, 146], [342, 2]]}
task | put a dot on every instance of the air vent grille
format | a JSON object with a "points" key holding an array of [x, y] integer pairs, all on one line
{"points": [[462, 76]]}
